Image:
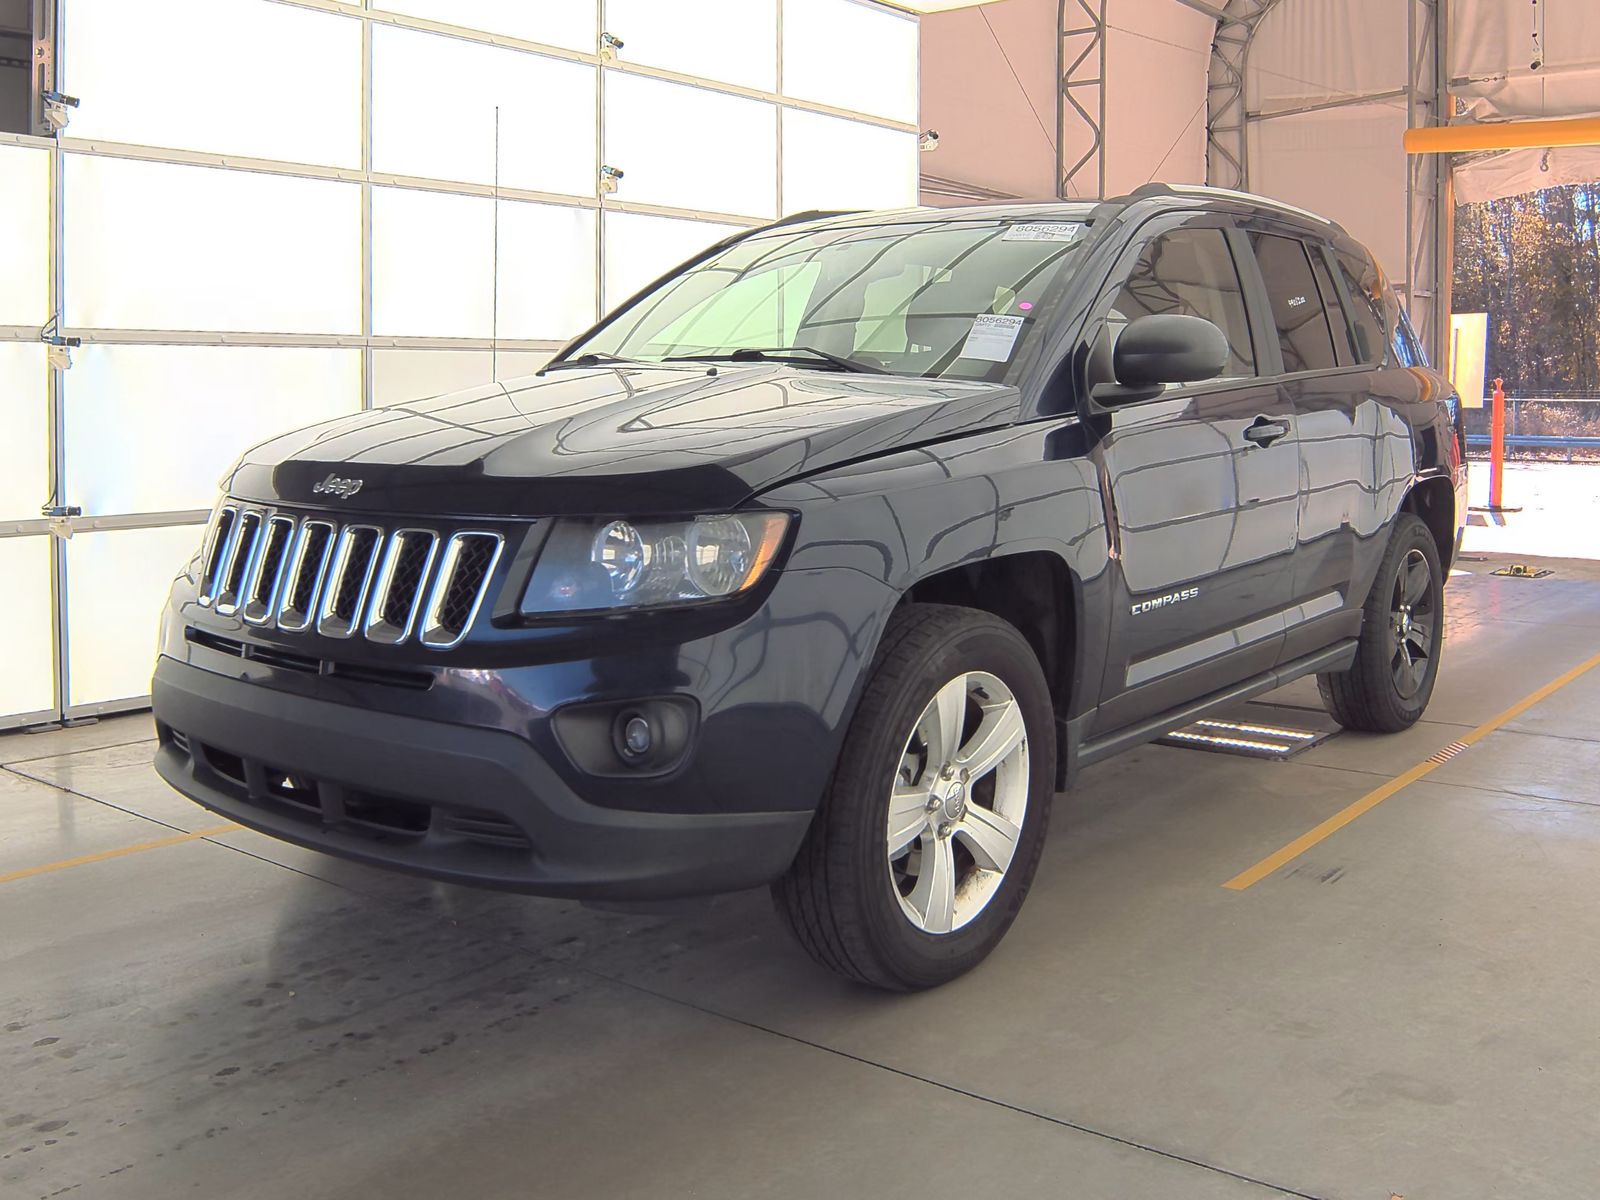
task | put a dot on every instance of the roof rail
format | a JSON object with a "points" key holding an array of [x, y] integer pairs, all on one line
{"points": [[811, 214], [1197, 192]]}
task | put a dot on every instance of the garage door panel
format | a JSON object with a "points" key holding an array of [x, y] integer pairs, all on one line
{"points": [[433, 266], [117, 583], [567, 23], [152, 428], [162, 246], [26, 649], [734, 41], [224, 76], [852, 56], [433, 113], [833, 163], [25, 246], [24, 432], [658, 134]]}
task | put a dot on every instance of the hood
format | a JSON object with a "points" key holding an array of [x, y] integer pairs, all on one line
{"points": [[603, 440]]}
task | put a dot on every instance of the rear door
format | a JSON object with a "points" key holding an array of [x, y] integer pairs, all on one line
{"points": [[1327, 387], [1201, 485]]}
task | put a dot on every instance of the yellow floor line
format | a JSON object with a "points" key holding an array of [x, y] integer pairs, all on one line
{"points": [[83, 860], [1372, 799]]}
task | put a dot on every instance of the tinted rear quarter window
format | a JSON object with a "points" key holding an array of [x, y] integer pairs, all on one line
{"points": [[1299, 313]]}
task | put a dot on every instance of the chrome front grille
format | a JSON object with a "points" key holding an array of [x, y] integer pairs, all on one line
{"points": [[275, 569]]}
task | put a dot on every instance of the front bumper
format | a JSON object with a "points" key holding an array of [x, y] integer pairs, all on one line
{"points": [[466, 805]]}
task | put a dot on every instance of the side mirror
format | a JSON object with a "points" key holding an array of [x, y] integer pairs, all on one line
{"points": [[1157, 350]]}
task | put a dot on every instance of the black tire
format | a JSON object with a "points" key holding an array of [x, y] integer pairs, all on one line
{"points": [[839, 898], [1380, 694]]}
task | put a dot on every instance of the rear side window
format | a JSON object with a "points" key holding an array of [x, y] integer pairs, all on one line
{"points": [[1298, 312], [1407, 346], [1190, 272], [1369, 327]]}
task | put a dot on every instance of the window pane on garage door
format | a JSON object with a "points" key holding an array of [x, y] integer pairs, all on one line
{"points": [[226, 76], [159, 246], [851, 55], [25, 244], [184, 413], [833, 163], [433, 102], [730, 40], [24, 433], [433, 266], [686, 147], [569, 23], [26, 648], [117, 582]]}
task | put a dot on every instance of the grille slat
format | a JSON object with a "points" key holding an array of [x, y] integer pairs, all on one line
{"points": [[244, 543], [397, 590], [266, 574], [464, 572], [349, 580], [218, 542], [308, 564]]}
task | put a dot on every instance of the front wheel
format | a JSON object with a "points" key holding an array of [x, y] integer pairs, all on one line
{"points": [[1388, 686], [923, 849]]}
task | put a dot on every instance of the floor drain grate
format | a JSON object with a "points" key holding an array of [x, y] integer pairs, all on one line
{"points": [[1251, 735]]}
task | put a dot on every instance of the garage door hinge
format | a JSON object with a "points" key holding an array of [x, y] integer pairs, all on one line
{"points": [[57, 108], [60, 518], [59, 352]]}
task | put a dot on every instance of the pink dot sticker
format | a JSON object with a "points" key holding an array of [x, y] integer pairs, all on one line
{"points": [[1026, 305]]}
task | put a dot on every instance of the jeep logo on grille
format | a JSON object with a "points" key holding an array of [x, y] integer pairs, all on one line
{"points": [[334, 486]]}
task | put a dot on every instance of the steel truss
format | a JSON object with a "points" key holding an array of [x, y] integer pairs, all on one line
{"points": [[1081, 112]]}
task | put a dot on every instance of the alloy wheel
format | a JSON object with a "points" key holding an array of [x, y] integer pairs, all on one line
{"points": [[1412, 621], [958, 802]]}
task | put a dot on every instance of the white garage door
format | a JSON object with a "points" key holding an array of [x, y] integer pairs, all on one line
{"points": [[268, 212]]}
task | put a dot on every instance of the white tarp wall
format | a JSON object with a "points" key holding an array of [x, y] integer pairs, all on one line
{"points": [[1347, 162], [990, 89], [266, 213], [1492, 56]]}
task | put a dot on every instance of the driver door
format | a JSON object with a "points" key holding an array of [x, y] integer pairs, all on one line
{"points": [[1201, 485]]}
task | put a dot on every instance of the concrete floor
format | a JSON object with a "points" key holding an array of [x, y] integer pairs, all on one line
{"points": [[1409, 1009]]}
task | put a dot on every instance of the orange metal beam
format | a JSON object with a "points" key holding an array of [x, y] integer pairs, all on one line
{"points": [[1503, 135]]}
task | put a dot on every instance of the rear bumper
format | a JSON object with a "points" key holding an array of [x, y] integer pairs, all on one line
{"points": [[451, 802]]}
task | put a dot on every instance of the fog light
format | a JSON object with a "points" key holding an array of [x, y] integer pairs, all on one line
{"points": [[637, 736]]}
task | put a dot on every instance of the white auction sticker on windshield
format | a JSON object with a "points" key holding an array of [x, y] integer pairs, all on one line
{"points": [[992, 337], [1042, 231]]}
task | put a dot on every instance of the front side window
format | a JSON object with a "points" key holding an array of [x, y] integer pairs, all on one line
{"points": [[948, 298], [1190, 272], [1298, 313]]}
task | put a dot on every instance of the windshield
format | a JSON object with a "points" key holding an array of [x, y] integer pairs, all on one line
{"points": [[950, 298]]}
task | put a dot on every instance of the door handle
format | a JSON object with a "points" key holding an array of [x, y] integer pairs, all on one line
{"points": [[1263, 432]]}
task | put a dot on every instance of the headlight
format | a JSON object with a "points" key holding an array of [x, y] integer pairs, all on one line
{"points": [[595, 565]]}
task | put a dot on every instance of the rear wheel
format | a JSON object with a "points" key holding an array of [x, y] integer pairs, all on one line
{"points": [[928, 838], [1388, 686]]}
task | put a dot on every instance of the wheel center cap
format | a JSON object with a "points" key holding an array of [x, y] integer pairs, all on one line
{"points": [[954, 805]]}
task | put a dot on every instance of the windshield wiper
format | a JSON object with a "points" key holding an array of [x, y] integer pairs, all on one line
{"points": [[785, 354], [593, 358]]}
